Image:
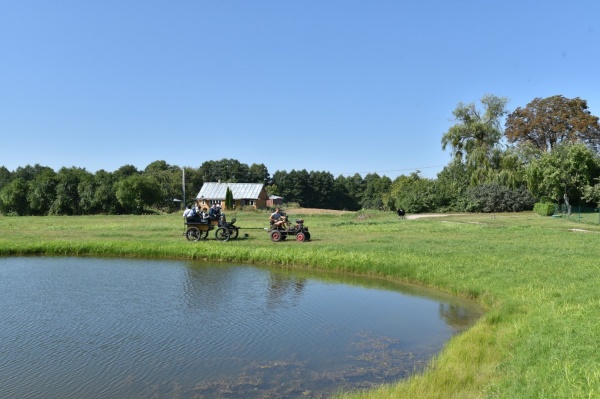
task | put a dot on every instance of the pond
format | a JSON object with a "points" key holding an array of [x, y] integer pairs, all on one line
{"points": [[126, 328]]}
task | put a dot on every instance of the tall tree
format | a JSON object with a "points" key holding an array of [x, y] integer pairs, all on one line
{"points": [[228, 199], [29, 172], [258, 173], [564, 171], [226, 170], [137, 192], [546, 122], [592, 193], [294, 186], [342, 198], [42, 192], [322, 184], [5, 176], [169, 179], [105, 193], [415, 194], [67, 200], [13, 197], [475, 134], [376, 190], [355, 187], [125, 171], [193, 182], [453, 182], [508, 168]]}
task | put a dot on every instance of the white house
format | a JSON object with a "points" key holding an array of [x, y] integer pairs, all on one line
{"points": [[244, 194]]}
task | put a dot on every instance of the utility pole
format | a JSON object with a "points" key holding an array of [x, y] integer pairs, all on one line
{"points": [[183, 185]]}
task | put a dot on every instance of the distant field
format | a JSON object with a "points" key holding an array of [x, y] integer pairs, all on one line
{"points": [[538, 278]]}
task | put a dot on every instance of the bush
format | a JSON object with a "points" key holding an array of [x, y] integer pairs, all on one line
{"points": [[543, 209], [419, 196], [489, 198]]}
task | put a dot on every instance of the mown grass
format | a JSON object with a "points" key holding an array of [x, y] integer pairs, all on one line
{"points": [[537, 277]]}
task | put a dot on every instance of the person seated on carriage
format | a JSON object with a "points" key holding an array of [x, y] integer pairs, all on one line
{"points": [[215, 214], [187, 212], [191, 214], [204, 215], [278, 219], [201, 214]]}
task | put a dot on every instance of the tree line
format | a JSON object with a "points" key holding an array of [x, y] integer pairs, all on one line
{"points": [[39, 190], [500, 161]]}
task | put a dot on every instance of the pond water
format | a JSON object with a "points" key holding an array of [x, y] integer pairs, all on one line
{"points": [[121, 328]]}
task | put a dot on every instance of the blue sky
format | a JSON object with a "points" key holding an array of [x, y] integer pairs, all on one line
{"points": [[337, 86]]}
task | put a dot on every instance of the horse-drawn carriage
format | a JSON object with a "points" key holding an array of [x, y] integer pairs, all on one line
{"points": [[199, 228]]}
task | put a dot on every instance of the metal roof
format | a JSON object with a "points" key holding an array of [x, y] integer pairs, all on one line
{"points": [[239, 190]]}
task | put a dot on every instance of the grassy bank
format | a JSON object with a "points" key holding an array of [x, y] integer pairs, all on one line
{"points": [[537, 277]]}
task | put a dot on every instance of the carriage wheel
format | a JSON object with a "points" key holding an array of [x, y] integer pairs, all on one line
{"points": [[192, 234], [222, 234], [233, 233], [300, 237], [276, 236]]}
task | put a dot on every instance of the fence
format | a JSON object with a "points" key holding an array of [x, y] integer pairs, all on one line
{"points": [[577, 213]]}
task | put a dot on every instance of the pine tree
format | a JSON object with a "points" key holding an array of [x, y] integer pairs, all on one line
{"points": [[228, 199]]}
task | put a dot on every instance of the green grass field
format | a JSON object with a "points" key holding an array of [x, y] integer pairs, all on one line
{"points": [[537, 277]]}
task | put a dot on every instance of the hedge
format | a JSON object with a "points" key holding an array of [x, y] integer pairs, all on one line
{"points": [[543, 209]]}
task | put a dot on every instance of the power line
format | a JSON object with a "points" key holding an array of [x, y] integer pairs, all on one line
{"points": [[392, 170]]}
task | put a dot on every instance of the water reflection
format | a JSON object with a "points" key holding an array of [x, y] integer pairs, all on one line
{"points": [[456, 316], [80, 327], [284, 290], [205, 288]]}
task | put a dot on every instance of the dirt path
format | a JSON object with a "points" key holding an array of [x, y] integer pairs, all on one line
{"points": [[316, 211], [425, 215]]}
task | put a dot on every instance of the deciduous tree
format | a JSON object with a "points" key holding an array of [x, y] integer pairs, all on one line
{"points": [[475, 134], [415, 194], [169, 179], [67, 199], [565, 170], [13, 197], [105, 195], [42, 192], [138, 192], [226, 170], [546, 122], [5, 176], [377, 189], [258, 173]]}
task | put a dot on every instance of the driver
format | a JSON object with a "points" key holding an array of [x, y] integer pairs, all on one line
{"points": [[214, 212], [277, 219]]}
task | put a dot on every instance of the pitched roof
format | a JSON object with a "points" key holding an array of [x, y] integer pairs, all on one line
{"points": [[239, 190]]}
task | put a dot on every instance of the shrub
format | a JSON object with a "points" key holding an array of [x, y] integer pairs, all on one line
{"points": [[494, 198], [543, 209]]}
